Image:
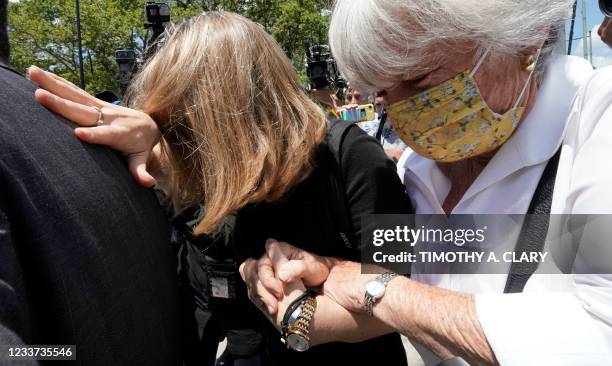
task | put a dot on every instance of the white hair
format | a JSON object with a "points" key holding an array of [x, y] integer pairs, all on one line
{"points": [[376, 42]]}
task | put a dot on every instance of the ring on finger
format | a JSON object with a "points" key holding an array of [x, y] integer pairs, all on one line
{"points": [[100, 120]]}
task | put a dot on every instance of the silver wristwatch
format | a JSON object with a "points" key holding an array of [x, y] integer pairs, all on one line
{"points": [[375, 290]]}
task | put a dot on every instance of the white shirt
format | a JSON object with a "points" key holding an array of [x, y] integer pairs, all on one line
{"points": [[558, 319]]}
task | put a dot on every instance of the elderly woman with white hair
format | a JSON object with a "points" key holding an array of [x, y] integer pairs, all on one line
{"points": [[490, 113]]}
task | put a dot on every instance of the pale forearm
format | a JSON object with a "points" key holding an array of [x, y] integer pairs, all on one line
{"points": [[443, 321], [333, 323]]}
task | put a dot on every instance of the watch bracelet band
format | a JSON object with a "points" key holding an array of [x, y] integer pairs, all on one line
{"points": [[369, 305], [302, 324], [369, 300], [386, 277], [300, 300], [291, 308]]}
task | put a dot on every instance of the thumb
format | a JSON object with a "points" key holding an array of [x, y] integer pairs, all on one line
{"points": [[292, 270], [293, 264], [137, 164]]}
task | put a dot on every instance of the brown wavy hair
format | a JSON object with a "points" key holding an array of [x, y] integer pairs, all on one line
{"points": [[237, 127]]}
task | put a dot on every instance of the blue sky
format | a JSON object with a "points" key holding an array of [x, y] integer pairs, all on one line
{"points": [[602, 54]]}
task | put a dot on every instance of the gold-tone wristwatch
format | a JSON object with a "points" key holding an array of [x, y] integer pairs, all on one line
{"points": [[295, 326]]}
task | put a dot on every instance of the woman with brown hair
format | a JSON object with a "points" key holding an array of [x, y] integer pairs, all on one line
{"points": [[218, 116]]}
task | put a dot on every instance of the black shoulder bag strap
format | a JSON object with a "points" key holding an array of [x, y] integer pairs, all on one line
{"points": [[336, 134], [381, 127], [535, 227]]}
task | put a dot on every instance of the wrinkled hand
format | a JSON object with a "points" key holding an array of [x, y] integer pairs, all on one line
{"points": [[342, 281], [131, 132], [280, 271], [263, 287]]}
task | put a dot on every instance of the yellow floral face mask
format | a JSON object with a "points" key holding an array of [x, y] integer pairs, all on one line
{"points": [[452, 122]]}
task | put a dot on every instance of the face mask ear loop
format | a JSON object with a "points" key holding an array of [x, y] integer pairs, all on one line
{"points": [[480, 62], [518, 101]]}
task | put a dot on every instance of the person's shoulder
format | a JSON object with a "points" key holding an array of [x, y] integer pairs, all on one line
{"points": [[565, 75], [594, 102], [589, 138], [22, 118], [577, 67], [11, 79], [16, 95], [600, 82]]}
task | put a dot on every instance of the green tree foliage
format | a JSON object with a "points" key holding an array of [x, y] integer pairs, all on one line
{"points": [[43, 33]]}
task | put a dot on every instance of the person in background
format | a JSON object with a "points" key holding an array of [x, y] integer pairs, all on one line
{"points": [[85, 254], [394, 147], [353, 97], [385, 134]]}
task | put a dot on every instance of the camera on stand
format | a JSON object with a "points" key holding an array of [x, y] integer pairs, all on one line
{"points": [[322, 70], [129, 60], [128, 64], [157, 15]]}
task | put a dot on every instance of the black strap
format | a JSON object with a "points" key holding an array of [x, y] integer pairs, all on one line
{"points": [[336, 134], [381, 126], [535, 227]]}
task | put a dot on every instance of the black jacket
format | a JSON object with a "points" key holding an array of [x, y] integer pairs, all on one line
{"points": [[84, 251]]}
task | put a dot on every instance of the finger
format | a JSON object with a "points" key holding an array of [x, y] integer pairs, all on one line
{"points": [[80, 114], [256, 291], [137, 164], [292, 264], [62, 88], [282, 251], [266, 298], [248, 272], [243, 269], [292, 271], [250, 280], [278, 254], [287, 260], [101, 135], [265, 271]]}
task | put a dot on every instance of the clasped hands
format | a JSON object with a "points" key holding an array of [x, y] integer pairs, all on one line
{"points": [[284, 272]]}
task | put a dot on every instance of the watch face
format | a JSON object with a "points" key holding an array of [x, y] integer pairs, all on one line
{"points": [[375, 289], [297, 342]]}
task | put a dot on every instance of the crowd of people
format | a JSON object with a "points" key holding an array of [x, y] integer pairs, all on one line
{"points": [[221, 200]]}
